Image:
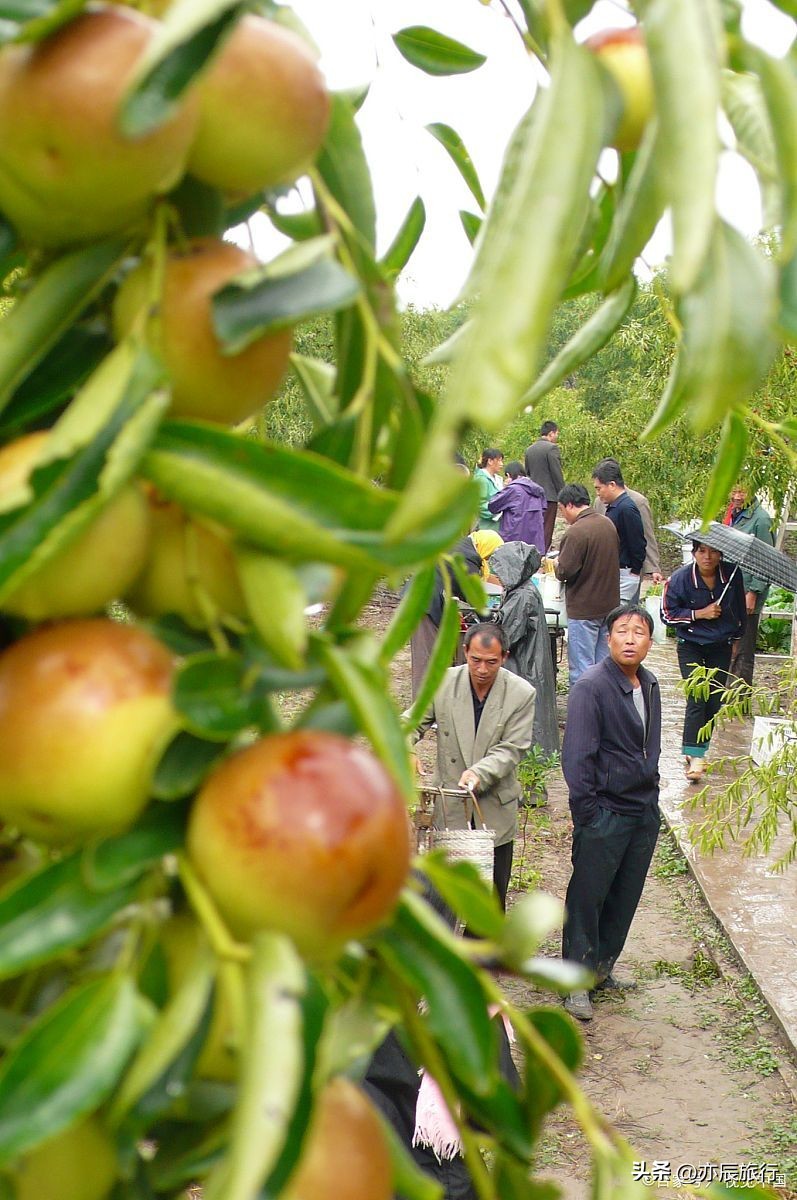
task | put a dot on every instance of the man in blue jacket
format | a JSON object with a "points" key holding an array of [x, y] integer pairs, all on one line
{"points": [[610, 760], [610, 489]]}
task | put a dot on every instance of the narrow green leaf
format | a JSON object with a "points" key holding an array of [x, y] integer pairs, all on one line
{"points": [[638, 211], [363, 690], [588, 340], [342, 165], [55, 301], [189, 32], [744, 106], [299, 227], [271, 1074], [542, 1091], [528, 923], [90, 454], [453, 144], [462, 887], [420, 948], [779, 90], [405, 619], [727, 344], [247, 308], [400, 250], [67, 1063], [216, 696], [683, 44], [728, 464], [124, 859], [434, 52], [32, 20], [410, 1182], [471, 223], [517, 280], [317, 381], [68, 365], [295, 505], [276, 600], [471, 586], [53, 911], [169, 1034], [183, 767], [440, 660]]}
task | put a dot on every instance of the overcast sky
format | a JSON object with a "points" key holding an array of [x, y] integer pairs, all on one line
{"points": [[354, 37]]}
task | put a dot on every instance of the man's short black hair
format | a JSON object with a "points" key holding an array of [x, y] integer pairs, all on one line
{"points": [[514, 470], [630, 610], [487, 631], [608, 471], [574, 493], [548, 427]]}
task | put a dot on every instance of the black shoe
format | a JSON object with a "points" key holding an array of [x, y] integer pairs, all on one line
{"points": [[579, 1005], [614, 984]]}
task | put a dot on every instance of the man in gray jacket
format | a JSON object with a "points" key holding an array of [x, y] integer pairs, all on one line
{"points": [[485, 723]]}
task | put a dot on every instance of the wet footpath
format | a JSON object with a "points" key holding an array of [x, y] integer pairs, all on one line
{"points": [[755, 904]]}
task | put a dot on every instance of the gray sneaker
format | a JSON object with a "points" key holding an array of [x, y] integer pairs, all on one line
{"points": [[579, 1005]]}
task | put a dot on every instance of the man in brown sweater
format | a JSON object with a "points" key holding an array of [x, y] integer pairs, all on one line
{"points": [[589, 566]]}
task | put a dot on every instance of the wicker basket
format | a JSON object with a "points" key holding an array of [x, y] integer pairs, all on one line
{"points": [[474, 845]]}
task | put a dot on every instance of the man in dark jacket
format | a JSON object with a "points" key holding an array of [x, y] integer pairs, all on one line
{"points": [[544, 465], [521, 506], [627, 520], [610, 760]]}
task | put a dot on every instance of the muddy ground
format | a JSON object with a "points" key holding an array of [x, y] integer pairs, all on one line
{"points": [[689, 1067]]}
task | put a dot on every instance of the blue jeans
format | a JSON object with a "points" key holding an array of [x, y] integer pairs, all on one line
{"points": [[586, 645]]}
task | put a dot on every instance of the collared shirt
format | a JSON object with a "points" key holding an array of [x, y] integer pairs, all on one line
{"points": [[478, 706]]}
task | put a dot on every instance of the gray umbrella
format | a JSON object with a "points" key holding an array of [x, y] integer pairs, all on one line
{"points": [[749, 552]]}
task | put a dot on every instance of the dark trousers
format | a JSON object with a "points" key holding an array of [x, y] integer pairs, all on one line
{"points": [[700, 710], [502, 869], [743, 651], [548, 522], [610, 862]]}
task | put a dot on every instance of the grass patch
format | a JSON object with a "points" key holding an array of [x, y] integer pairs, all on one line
{"points": [[669, 862]]}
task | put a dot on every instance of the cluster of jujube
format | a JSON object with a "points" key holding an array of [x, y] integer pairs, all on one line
{"points": [[303, 833]]}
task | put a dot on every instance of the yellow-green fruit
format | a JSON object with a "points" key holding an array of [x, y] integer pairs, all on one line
{"points": [[181, 937], [624, 55], [303, 833], [206, 383], [264, 110], [345, 1155], [189, 570], [97, 566], [78, 1164], [85, 714], [67, 174]]}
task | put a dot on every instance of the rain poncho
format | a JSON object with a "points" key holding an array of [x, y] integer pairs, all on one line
{"points": [[522, 615]]}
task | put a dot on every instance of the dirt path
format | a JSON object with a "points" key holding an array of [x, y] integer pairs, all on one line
{"points": [[689, 1067]]}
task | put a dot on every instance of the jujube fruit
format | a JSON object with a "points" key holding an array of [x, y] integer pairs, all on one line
{"points": [[206, 383], [77, 1164], [189, 570], [345, 1156], [624, 55], [303, 833], [96, 566], [85, 714], [67, 173], [264, 110]]}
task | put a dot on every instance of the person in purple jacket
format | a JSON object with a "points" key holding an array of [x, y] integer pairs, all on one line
{"points": [[521, 505]]}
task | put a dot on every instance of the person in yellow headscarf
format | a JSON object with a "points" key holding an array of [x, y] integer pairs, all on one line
{"points": [[475, 548], [485, 541]]}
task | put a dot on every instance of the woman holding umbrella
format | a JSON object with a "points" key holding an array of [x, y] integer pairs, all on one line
{"points": [[704, 601]]}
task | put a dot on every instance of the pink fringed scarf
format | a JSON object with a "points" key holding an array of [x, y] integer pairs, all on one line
{"points": [[435, 1127]]}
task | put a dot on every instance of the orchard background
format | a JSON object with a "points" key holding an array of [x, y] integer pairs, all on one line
{"points": [[185, 978]]}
